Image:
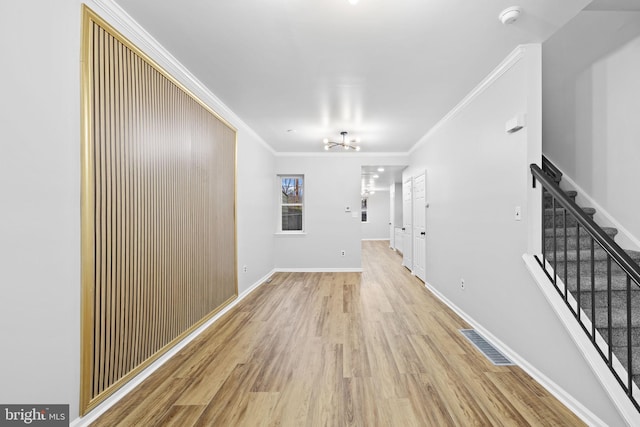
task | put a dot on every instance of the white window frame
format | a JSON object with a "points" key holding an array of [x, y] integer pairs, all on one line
{"points": [[281, 204]]}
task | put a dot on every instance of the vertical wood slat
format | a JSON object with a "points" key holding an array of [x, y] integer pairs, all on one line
{"points": [[162, 218]]}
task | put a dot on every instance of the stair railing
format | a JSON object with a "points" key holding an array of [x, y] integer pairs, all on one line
{"points": [[551, 170], [586, 227]]}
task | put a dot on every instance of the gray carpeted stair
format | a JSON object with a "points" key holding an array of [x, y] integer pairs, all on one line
{"points": [[599, 293], [572, 243]]}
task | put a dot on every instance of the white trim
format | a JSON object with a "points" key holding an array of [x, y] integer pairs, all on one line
{"points": [[624, 237], [318, 270], [111, 12], [516, 55], [128, 387], [375, 240], [620, 400], [569, 401]]}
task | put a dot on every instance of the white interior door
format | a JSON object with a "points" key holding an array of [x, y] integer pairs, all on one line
{"points": [[419, 226], [392, 216], [407, 228]]}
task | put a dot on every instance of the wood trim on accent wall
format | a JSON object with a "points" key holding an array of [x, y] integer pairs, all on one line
{"points": [[158, 207]]}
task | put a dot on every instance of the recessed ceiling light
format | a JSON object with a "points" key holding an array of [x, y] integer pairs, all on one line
{"points": [[380, 169], [353, 2], [376, 176]]}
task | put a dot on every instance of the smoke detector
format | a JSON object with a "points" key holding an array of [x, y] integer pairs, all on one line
{"points": [[510, 15]]}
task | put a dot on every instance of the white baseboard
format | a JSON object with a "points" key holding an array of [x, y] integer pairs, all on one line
{"points": [[318, 270], [580, 410], [624, 238], [122, 392]]}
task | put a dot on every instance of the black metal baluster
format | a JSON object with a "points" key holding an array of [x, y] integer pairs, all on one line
{"points": [[610, 340], [593, 293], [566, 261], [555, 243], [629, 343], [578, 266], [544, 229]]}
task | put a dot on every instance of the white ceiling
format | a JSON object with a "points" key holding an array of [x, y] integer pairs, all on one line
{"points": [[385, 71], [374, 179]]}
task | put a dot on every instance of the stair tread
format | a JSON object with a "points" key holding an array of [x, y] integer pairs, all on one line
{"points": [[559, 210], [571, 231], [618, 316], [618, 282], [585, 255], [567, 192]]}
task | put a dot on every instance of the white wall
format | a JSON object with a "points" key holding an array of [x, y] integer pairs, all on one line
{"points": [[398, 204], [378, 212], [256, 212], [332, 182], [477, 174], [591, 107], [40, 215]]}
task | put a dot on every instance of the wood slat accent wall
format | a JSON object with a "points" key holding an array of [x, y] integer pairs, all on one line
{"points": [[158, 211]]}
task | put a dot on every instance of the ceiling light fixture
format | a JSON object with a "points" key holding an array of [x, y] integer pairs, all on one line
{"points": [[346, 144], [353, 2]]}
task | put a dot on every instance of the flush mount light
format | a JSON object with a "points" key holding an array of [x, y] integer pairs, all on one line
{"points": [[346, 144]]}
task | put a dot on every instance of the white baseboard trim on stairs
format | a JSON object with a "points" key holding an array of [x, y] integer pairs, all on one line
{"points": [[624, 238], [558, 392], [122, 392], [619, 399]]}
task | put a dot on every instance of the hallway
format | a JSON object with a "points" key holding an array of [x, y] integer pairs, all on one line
{"points": [[370, 349]]}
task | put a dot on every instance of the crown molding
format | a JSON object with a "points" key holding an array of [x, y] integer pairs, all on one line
{"points": [[115, 15], [513, 58]]}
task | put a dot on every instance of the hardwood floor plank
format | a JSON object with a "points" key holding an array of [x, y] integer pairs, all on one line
{"points": [[230, 403], [181, 416], [338, 349]]}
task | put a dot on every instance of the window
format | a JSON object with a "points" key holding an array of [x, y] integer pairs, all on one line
{"points": [[291, 203], [363, 209]]}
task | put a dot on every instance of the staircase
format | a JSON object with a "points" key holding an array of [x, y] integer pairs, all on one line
{"points": [[577, 258]]}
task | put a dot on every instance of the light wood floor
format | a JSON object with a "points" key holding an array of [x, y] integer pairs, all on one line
{"points": [[337, 349]]}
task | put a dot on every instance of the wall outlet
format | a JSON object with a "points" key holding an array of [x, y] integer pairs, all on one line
{"points": [[245, 268], [462, 284], [342, 253]]}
